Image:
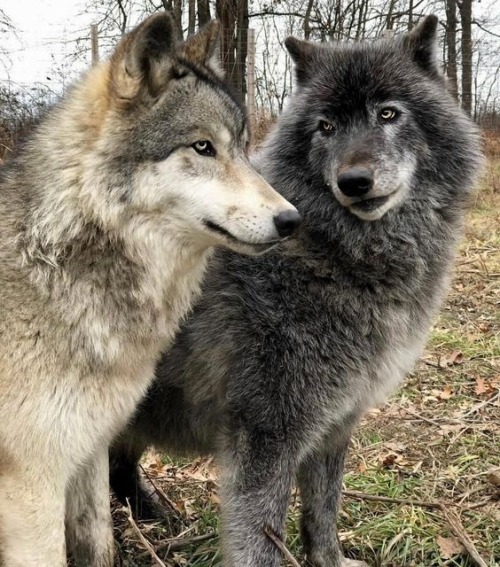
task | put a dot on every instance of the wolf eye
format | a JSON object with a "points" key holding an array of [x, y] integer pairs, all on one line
{"points": [[326, 127], [388, 114], [204, 148]]}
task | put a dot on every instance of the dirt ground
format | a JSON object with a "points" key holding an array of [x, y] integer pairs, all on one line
{"points": [[433, 451]]}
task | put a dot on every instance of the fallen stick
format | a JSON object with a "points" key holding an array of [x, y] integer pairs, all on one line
{"points": [[144, 541], [362, 496], [421, 417], [281, 546], [456, 525], [449, 515], [481, 405], [163, 497], [174, 544]]}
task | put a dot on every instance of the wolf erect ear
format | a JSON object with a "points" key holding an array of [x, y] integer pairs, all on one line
{"points": [[203, 47], [302, 53], [422, 44], [143, 58]]}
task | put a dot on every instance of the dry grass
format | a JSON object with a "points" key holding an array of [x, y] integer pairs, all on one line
{"points": [[437, 439]]}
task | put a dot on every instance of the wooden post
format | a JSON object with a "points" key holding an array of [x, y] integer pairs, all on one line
{"points": [[251, 80], [95, 44]]}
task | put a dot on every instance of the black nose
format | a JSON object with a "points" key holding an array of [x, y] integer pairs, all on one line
{"points": [[287, 222], [355, 182]]}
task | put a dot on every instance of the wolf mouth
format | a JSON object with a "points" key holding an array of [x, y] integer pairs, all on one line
{"points": [[368, 205], [257, 246]]}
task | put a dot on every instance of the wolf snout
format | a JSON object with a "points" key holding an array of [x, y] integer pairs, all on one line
{"points": [[355, 181], [287, 222]]}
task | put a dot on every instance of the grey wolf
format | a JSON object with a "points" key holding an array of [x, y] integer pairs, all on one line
{"points": [[282, 356], [107, 219]]}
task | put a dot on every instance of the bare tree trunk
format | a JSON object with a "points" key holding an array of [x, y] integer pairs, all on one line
{"points": [[337, 26], [389, 21], [242, 47], [203, 12], [233, 15], [361, 19], [123, 16], [307, 19], [174, 7], [410, 15], [191, 16], [177, 12], [466, 19], [451, 45], [225, 11]]}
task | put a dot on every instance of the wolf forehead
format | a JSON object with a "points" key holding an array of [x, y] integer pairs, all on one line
{"points": [[347, 76], [196, 105]]}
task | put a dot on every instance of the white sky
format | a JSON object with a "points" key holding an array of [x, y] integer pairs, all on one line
{"points": [[44, 39], [47, 30]]}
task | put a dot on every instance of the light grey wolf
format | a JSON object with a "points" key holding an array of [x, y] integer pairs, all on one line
{"points": [[107, 219], [283, 355]]}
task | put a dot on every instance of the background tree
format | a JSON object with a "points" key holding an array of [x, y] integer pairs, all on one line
{"points": [[465, 7], [451, 45]]}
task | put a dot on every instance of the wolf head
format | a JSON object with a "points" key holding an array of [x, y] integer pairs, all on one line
{"points": [[376, 123], [171, 144]]}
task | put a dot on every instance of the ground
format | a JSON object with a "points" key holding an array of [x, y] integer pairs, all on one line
{"points": [[436, 441]]}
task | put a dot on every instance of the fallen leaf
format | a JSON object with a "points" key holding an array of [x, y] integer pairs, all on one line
{"points": [[445, 394], [396, 447], [388, 460], [494, 478], [450, 429], [483, 387], [456, 357], [214, 498], [449, 547]]}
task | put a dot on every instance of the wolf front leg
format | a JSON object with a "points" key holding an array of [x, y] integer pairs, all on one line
{"points": [[31, 515], [89, 529], [255, 490], [320, 483]]}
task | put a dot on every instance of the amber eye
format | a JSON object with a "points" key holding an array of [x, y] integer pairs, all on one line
{"points": [[204, 148], [388, 114], [326, 127]]}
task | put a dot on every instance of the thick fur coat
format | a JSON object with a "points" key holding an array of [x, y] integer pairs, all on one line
{"points": [[107, 219], [282, 356]]}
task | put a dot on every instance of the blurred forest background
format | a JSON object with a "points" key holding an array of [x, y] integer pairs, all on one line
{"points": [[255, 61]]}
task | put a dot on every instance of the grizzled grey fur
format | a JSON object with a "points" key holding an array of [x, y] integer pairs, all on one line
{"points": [[285, 353]]}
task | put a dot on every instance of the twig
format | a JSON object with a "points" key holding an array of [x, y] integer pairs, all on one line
{"points": [[144, 541], [374, 498], [480, 504], [163, 497], [174, 544], [481, 405], [456, 525], [450, 516], [418, 416], [281, 546]]}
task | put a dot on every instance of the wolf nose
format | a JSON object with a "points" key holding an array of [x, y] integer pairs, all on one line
{"points": [[287, 222], [355, 182]]}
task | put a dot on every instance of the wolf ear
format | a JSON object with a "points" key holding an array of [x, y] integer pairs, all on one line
{"points": [[302, 54], [203, 47], [422, 44], [143, 57]]}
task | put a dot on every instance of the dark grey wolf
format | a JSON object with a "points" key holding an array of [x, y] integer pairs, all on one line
{"points": [[107, 219], [282, 356]]}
